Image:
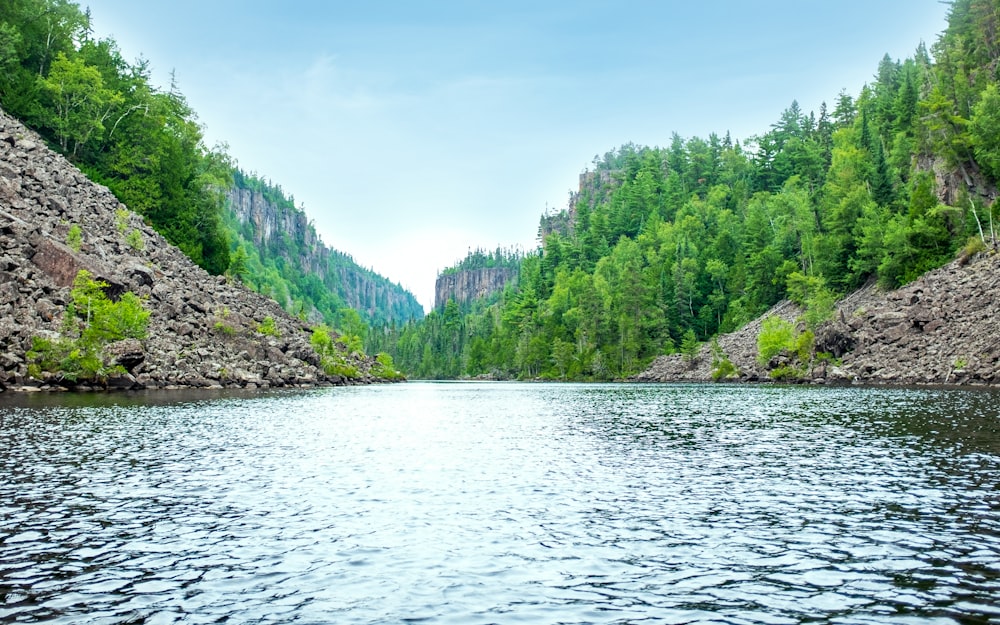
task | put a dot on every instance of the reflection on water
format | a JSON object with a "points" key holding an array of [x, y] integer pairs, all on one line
{"points": [[498, 503]]}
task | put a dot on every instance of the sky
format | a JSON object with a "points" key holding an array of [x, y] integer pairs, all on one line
{"points": [[413, 132]]}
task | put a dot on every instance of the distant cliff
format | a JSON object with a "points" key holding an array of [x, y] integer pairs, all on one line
{"points": [[287, 244], [466, 285]]}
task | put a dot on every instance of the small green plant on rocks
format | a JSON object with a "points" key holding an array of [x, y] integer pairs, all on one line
{"points": [[722, 367], [91, 321], [74, 238], [121, 220], [385, 368], [134, 240], [268, 327], [221, 325], [780, 338], [332, 359]]}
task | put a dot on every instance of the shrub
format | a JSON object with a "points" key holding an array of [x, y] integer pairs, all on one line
{"points": [[268, 327], [973, 246], [134, 240], [121, 220], [332, 360], [722, 367], [74, 238], [385, 368], [776, 335], [91, 321]]}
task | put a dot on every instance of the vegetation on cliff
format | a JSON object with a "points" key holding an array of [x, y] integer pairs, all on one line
{"points": [[703, 235], [294, 267]]}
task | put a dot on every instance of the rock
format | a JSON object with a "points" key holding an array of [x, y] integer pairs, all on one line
{"points": [[128, 353], [123, 381]]}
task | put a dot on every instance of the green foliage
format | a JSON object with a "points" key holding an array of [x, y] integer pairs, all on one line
{"points": [[776, 336], [221, 325], [975, 245], [385, 368], [722, 367], [690, 346], [332, 359], [224, 328], [984, 128], [122, 218], [811, 293], [134, 240], [480, 259], [74, 238], [268, 327], [90, 322]]}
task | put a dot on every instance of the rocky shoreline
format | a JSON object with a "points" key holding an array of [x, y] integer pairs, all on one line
{"points": [[204, 331], [941, 329]]}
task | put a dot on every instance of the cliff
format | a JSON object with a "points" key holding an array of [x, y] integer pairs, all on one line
{"points": [[940, 329], [204, 331], [466, 285], [278, 230]]}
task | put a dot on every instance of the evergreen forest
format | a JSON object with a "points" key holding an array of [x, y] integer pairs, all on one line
{"points": [[665, 247]]}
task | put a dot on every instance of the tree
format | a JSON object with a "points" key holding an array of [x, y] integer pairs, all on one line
{"points": [[80, 103], [984, 128]]}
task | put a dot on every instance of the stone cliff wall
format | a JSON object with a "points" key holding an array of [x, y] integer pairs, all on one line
{"points": [[358, 289], [202, 330], [470, 284]]}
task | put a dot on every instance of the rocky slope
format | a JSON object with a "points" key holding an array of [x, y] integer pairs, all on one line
{"points": [[940, 329], [203, 330]]}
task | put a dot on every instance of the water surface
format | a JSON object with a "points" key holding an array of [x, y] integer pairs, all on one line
{"points": [[502, 503]]}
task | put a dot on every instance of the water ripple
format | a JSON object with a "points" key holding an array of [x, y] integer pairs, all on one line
{"points": [[503, 503]]}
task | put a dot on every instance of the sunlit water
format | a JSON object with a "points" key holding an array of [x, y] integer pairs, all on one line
{"points": [[503, 503]]}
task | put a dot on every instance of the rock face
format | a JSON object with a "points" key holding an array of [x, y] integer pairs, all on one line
{"points": [[940, 329], [470, 284], [374, 296], [203, 330]]}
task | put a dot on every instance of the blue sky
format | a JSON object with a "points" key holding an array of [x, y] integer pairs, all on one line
{"points": [[414, 131]]}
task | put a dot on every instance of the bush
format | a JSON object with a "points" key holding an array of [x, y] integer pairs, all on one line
{"points": [[385, 368], [268, 327], [91, 321], [74, 238], [332, 360], [776, 336], [134, 240], [722, 367]]}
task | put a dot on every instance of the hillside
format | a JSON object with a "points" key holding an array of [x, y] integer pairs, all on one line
{"points": [[939, 329], [203, 330]]}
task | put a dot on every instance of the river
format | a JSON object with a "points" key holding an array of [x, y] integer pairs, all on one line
{"points": [[485, 503]]}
